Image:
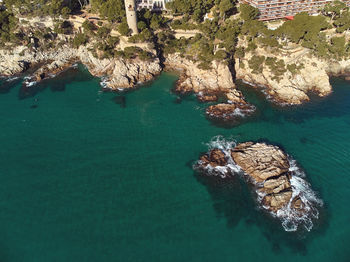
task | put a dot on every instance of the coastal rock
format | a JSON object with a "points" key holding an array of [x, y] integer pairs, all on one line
{"points": [[260, 161], [275, 202], [194, 79], [208, 96], [121, 73], [214, 163], [268, 166], [292, 88], [279, 187], [215, 158], [230, 112]]}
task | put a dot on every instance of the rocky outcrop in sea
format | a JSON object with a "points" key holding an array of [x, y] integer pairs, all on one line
{"points": [[278, 182], [230, 112]]}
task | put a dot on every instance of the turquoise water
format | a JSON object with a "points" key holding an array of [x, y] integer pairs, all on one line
{"points": [[96, 176]]}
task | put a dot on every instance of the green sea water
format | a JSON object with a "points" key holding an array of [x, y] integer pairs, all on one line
{"points": [[98, 176]]}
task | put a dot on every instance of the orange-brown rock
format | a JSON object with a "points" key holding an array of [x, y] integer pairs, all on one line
{"points": [[207, 97], [260, 161], [298, 204], [229, 112], [215, 158], [274, 202], [268, 167]]}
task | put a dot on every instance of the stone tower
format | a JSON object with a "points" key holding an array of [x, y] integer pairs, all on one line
{"points": [[130, 8]]}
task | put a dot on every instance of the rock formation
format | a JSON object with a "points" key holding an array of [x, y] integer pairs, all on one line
{"points": [[194, 79], [119, 72], [292, 89], [230, 112], [267, 168]]}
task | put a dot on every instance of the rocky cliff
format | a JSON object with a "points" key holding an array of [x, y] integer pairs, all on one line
{"points": [[119, 72], [292, 88], [194, 79]]}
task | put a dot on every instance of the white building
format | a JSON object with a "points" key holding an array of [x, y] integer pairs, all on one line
{"points": [[153, 5]]}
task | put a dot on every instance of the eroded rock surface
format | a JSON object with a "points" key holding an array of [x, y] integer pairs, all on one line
{"points": [[194, 79], [279, 186], [292, 88], [119, 73]]}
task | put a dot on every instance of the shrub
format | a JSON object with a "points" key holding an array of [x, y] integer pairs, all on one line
{"points": [[80, 39], [124, 29]]}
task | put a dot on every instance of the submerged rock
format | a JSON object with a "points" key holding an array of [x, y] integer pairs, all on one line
{"points": [[207, 97], [278, 182], [230, 112]]}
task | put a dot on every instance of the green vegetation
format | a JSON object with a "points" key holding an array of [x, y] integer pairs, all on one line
{"points": [[216, 38], [308, 31], [124, 29], [7, 25], [112, 10], [80, 39], [133, 52], [45, 7]]}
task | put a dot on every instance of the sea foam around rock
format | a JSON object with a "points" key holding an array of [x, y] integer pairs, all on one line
{"points": [[290, 218]]}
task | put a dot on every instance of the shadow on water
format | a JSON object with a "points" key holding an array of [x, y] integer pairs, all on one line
{"points": [[120, 100], [7, 84], [234, 201], [57, 83]]}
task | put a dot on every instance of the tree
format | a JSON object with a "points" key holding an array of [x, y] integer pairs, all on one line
{"points": [[248, 12], [343, 22], [103, 31], [337, 47], [124, 29], [334, 9], [141, 25], [226, 6], [80, 39]]}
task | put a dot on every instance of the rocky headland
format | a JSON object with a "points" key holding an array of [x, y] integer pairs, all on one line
{"points": [[278, 182], [292, 88], [200, 81], [210, 85]]}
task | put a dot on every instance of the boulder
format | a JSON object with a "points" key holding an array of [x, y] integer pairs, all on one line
{"points": [[260, 161], [268, 168], [215, 157], [277, 201]]}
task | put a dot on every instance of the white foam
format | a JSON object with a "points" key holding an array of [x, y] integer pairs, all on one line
{"points": [[10, 79], [290, 218], [104, 82], [225, 146], [30, 83]]}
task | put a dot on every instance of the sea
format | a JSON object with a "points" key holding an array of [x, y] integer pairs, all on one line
{"points": [[92, 175]]}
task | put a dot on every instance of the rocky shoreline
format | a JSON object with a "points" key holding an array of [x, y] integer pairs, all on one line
{"points": [[208, 84], [119, 72], [278, 182], [292, 88]]}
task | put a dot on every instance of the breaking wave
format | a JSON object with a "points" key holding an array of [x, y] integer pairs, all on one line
{"points": [[290, 218], [104, 82], [223, 171]]}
